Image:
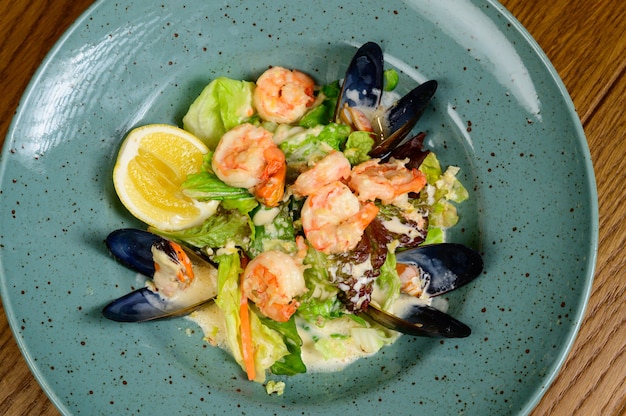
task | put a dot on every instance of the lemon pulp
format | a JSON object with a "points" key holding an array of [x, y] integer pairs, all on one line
{"points": [[152, 163]]}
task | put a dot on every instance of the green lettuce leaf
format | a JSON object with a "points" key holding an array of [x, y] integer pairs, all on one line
{"points": [[442, 214], [323, 113], [372, 339], [449, 187], [269, 346], [291, 363], [443, 188], [320, 302], [431, 168], [333, 347], [354, 337], [335, 135], [206, 186], [207, 160], [243, 205], [317, 310], [222, 105], [358, 145], [278, 234], [224, 228], [435, 235], [391, 79], [305, 146], [388, 282], [228, 300]]}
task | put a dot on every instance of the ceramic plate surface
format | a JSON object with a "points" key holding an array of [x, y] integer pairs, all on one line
{"points": [[501, 113]]}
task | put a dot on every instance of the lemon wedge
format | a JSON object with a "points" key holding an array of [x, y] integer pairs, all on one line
{"points": [[152, 163]]}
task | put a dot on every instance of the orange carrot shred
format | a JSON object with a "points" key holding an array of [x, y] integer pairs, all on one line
{"points": [[246, 335]]}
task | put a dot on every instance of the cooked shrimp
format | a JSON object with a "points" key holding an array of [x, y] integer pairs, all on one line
{"points": [[272, 280], [372, 180], [331, 168], [246, 157], [283, 96], [333, 218]]}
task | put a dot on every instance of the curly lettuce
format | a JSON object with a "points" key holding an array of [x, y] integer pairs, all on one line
{"points": [[443, 188], [320, 302], [222, 229]]}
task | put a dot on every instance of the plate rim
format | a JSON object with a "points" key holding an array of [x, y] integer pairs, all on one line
{"points": [[594, 206]]}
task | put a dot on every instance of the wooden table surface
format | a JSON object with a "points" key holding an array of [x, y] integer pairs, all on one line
{"points": [[586, 42]]}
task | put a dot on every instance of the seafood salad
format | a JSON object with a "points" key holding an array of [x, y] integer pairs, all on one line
{"points": [[323, 206]]}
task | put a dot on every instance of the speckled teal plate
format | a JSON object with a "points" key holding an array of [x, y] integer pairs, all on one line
{"points": [[501, 114]]}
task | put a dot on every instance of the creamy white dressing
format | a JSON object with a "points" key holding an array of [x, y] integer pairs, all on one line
{"points": [[211, 320], [341, 335], [336, 332], [265, 216], [337, 335], [396, 226], [430, 192]]}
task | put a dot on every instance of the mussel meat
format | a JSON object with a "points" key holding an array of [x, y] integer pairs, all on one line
{"points": [[444, 267]]}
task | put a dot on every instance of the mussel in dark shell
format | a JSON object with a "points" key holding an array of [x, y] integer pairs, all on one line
{"points": [[443, 266], [360, 100], [174, 289]]}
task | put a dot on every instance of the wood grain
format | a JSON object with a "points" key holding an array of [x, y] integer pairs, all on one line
{"points": [[592, 381], [586, 42], [28, 30]]}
